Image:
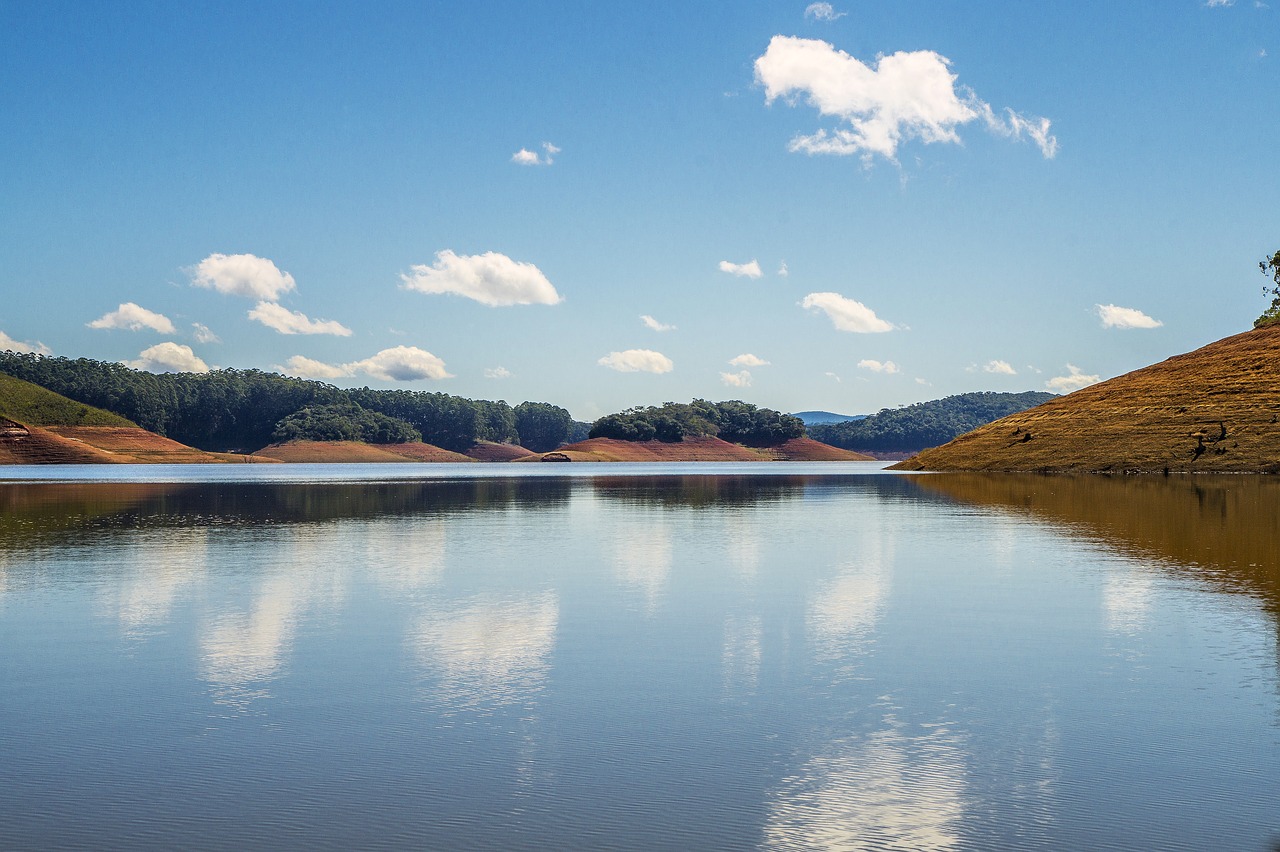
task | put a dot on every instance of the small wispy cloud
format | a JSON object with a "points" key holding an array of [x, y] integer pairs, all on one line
{"points": [[132, 317], [783, 272], [525, 157], [285, 321], [1114, 316], [1003, 368], [746, 359], [397, 364], [1072, 381], [497, 373], [168, 357], [831, 375], [740, 379], [202, 334], [1218, 4], [653, 324], [637, 361], [846, 314], [877, 366], [742, 270], [822, 12], [34, 348], [491, 279]]}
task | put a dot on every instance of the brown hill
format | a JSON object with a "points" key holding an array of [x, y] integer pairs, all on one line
{"points": [[694, 450], [339, 452], [21, 444], [488, 451], [1214, 409]]}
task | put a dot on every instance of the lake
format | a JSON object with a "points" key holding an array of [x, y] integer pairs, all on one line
{"points": [[772, 656]]}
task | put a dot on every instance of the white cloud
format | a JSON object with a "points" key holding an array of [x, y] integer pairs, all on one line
{"points": [[846, 314], [1000, 367], [497, 373], [783, 272], [309, 368], [133, 318], [1219, 4], [905, 96], [242, 275], [637, 361], [398, 364], [525, 157], [1114, 316], [8, 343], [742, 270], [1074, 380], [924, 382], [652, 323], [823, 12], [168, 357], [832, 375], [878, 366], [286, 321], [491, 279], [202, 334], [740, 379], [401, 364], [746, 359]]}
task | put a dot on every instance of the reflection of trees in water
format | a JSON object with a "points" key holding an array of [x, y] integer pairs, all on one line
{"points": [[37, 513], [734, 490]]}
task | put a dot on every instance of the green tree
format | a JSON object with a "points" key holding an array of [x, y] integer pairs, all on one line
{"points": [[1270, 267], [542, 427]]}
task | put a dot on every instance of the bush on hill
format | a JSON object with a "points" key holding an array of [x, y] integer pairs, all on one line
{"points": [[734, 421], [343, 422]]}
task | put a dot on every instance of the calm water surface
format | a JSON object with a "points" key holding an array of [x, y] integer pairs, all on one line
{"points": [[705, 657]]}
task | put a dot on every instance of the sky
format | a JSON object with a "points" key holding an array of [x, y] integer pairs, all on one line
{"points": [[845, 206]]}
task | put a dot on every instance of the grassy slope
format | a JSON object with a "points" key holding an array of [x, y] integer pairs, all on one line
{"points": [[1214, 409], [32, 405]]}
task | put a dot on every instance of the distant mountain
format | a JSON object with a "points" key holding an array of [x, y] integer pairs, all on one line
{"points": [[814, 418], [1216, 409], [924, 424]]}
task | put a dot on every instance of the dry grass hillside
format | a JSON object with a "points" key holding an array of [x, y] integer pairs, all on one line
{"points": [[1212, 410]]}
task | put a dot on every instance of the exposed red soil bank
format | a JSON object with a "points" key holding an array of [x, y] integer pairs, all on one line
{"points": [[339, 452]]}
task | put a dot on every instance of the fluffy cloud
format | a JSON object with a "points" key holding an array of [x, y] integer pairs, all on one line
{"points": [[202, 334], [652, 323], [846, 314], [740, 379], [742, 270], [398, 364], [401, 364], [242, 275], [637, 361], [309, 368], [1074, 380], [525, 157], [783, 272], [1114, 316], [906, 95], [491, 279], [823, 12], [8, 343], [746, 359], [286, 321], [878, 366], [134, 318], [999, 367], [169, 357], [497, 373]]}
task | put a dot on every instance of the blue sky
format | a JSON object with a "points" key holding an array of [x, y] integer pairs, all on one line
{"points": [[366, 192]]}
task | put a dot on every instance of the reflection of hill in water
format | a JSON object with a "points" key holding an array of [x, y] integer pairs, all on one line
{"points": [[1226, 527], [32, 511], [738, 490]]}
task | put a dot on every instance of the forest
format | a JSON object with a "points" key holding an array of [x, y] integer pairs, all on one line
{"points": [[925, 424], [245, 410], [734, 421]]}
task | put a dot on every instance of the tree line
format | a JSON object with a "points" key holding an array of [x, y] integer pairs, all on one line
{"points": [[247, 409], [734, 421], [925, 424]]}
